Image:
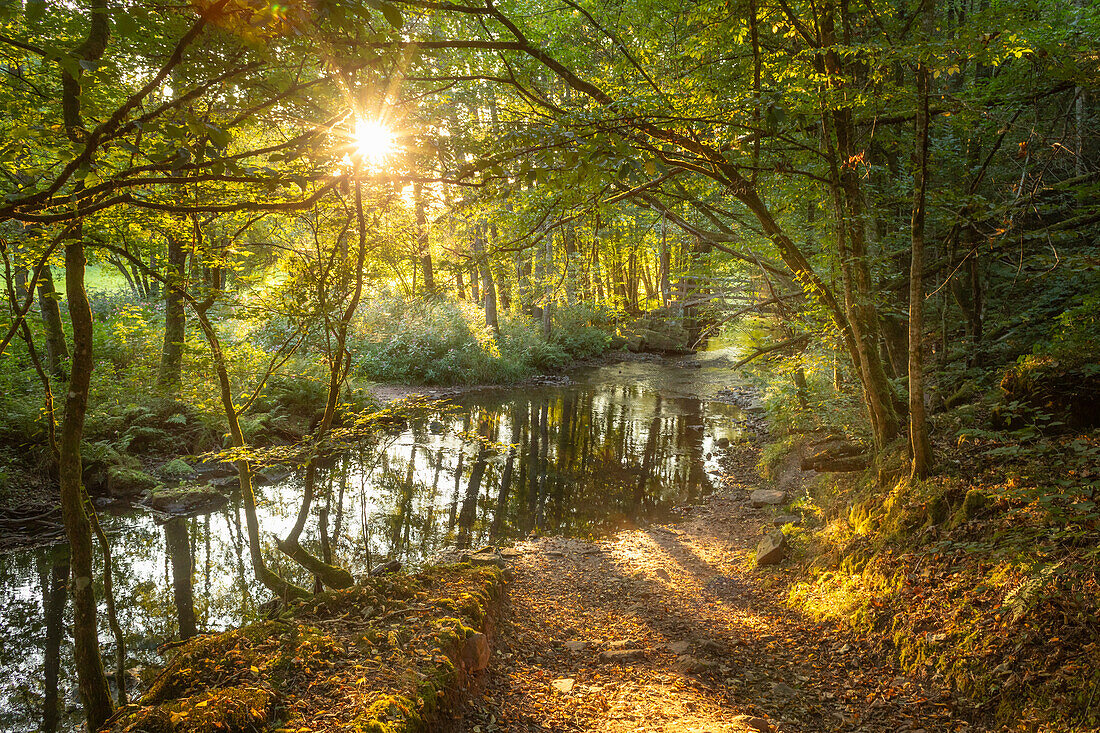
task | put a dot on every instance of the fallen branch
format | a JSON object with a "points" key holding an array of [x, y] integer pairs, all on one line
{"points": [[795, 341]]}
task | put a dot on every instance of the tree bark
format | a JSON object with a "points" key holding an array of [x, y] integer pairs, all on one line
{"points": [[920, 447], [92, 681], [423, 248], [488, 287], [175, 319], [57, 350]]}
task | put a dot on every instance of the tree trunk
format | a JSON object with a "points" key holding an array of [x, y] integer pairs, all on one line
{"points": [[422, 243], [666, 287], [920, 447], [488, 287], [56, 348], [92, 681], [175, 319]]}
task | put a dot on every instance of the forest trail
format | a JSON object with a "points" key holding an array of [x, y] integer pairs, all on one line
{"points": [[670, 628]]}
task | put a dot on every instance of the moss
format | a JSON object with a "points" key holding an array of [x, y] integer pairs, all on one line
{"points": [[176, 469], [237, 709], [368, 654]]}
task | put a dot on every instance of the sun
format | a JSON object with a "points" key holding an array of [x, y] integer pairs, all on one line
{"points": [[374, 142]]}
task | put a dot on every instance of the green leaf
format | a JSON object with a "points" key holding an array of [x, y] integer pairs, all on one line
{"points": [[391, 13], [34, 11]]}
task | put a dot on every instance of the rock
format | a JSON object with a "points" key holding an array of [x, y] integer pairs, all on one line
{"points": [[226, 482], [436, 427], [510, 552], [679, 647], [216, 469], [187, 500], [694, 665], [782, 519], [128, 482], [967, 392], [767, 497], [576, 646], [723, 443], [563, 685], [484, 557], [273, 475], [619, 656], [620, 644], [783, 690], [387, 567], [836, 455], [710, 646], [663, 574], [752, 723], [772, 549], [176, 469], [475, 652]]}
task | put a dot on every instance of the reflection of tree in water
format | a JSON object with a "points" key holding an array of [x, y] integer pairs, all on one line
{"points": [[575, 461], [588, 464]]}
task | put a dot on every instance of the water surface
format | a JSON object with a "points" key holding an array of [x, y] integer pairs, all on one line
{"points": [[621, 445]]}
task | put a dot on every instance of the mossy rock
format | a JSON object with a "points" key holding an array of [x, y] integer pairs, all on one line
{"points": [[308, 668], [125, 483], [176, 469], [968, 392], [186, 499]]}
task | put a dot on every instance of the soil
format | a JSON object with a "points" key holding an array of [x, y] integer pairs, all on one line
{"points": [[672, 628]]}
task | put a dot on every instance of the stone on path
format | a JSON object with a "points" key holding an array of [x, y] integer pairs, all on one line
{"points": [[752, 723], [563, 685], [679, 647], [782, 519], [576, 646], [772, 549], [663, 574], [766, 497], [694, 665], [484, 557], [618, 656]]}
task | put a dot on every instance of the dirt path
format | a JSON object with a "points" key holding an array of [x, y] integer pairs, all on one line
{"points": [[670, 628]]}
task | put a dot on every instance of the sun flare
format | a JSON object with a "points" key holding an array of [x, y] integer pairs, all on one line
{"points": [[374, 142]]}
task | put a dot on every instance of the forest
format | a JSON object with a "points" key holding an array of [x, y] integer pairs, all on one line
{"points": [[356, 354]]}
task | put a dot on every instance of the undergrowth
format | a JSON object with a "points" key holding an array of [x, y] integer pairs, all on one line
{"points": [[444, 342]]}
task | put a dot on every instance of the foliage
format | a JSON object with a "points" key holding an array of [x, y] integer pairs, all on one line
{"points": [[418, 341]]}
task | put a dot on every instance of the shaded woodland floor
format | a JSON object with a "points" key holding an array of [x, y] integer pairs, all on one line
{"points": [[670, 628]]}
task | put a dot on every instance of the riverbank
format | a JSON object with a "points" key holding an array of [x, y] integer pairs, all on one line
{"points": [[149, 452]]}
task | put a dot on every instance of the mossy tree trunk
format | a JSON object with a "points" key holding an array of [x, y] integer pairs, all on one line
{"points": [[57, 350], [91, 679], [920, 447], [175, 320]]}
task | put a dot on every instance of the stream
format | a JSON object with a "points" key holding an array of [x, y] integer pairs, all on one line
{"points": [[619, 445]]}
